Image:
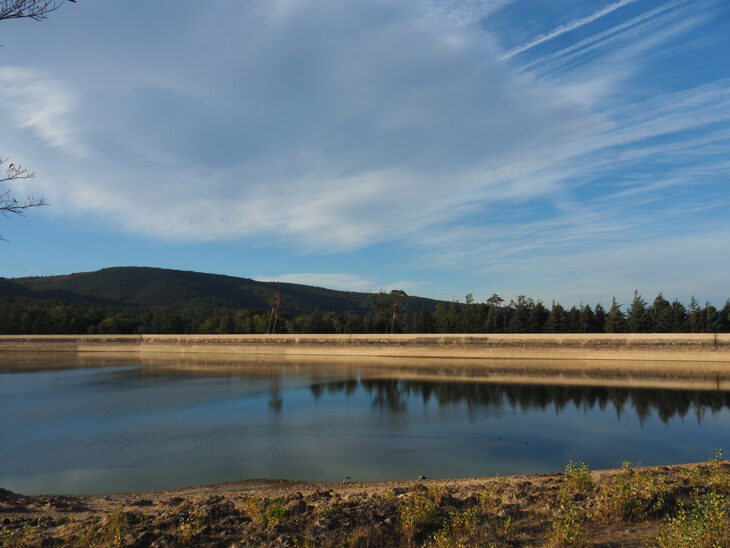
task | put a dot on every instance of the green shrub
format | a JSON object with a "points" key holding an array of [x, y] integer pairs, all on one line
{"points": [[578, 476], [707, 525], [569, 526], [417, 515], [27, 536], [631, 496]]}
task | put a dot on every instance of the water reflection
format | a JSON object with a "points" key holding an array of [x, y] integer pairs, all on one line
{"points": [[104, 424], [393, 395]]}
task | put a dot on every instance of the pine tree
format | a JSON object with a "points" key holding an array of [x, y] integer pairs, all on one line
{"points": [[679, 317], [615, 320], [661, 315], [695, 316], [637, 318]]}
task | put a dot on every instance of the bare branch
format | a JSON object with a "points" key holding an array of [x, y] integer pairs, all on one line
{"points": [[28, 9], [8, 204], [14, 172]]}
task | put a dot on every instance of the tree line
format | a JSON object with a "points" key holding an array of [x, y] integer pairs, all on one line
{"points": [[387, 314]]}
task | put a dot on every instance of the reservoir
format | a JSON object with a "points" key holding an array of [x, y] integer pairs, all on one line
{"points": [[97, 425]]}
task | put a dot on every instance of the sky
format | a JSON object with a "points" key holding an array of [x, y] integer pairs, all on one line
{"points": [[570, 150]]}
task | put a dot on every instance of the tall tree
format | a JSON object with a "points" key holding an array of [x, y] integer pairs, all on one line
{"points": [[520, 312], [661, 315], [637, 318], [587, 318], [695, 316], [710, 318], [615, 319], [600, 319], [679, 317], [557, 321], [397, 299], [725, 317], [538, 317]]}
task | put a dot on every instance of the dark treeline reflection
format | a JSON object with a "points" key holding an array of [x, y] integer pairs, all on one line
{"points": [[394, 394]]}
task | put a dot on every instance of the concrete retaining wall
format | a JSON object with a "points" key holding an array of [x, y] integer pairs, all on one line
{"points": [[674, 347]]}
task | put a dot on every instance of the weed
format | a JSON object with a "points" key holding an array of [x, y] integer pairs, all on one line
{"points": [[456, 528], [578, 477], [632, 495], [505, 527], [255, 509], [436, 492], [27, 536], [115, 526], [488, 503], [274, 513], [705, 525], [570, 523], [417, 515], [192, 524], [265, 513], [719, 477]]}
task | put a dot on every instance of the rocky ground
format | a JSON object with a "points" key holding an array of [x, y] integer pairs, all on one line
{"points": [[661, 506]]}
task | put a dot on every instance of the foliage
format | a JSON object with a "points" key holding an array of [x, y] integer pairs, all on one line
{"points": [[707, 524], [263, 512], [28, 535], [456, 528], [578, 477], [633, 495], [569, 526], [132, 300], [417, 515], [192, 524]]}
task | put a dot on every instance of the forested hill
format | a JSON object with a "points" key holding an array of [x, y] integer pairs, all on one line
{"points": [[145, 286]]}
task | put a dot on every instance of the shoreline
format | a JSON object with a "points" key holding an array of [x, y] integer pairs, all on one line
{"points": [[518, 510]]}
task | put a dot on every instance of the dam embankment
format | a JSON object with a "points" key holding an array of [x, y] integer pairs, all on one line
{"points": [[675, 347]]}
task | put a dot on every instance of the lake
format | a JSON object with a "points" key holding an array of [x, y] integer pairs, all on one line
{"points": [[114, 425]]}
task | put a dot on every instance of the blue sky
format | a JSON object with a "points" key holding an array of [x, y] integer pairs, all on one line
{"points": [[568, 149]]}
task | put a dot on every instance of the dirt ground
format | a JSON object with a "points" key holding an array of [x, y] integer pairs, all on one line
{"points": [[628, 507]]}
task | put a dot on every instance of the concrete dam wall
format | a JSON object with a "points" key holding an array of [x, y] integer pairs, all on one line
{"points": [[675, 347]]}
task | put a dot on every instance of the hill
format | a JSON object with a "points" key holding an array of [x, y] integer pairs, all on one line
{"points": [[146, 286]]}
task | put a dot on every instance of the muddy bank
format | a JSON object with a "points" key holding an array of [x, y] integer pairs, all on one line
{"points": [[628, 507]]}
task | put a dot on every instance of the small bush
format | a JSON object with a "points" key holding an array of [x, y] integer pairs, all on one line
{"points": [[570, 522], [255, 508], [456, 529], [274, 513], [719, 477], [115, 526], [578, 477], [265, 513], [633, 495], [707, 525], [417, 515], [192, 524], [488, 502], [27, 536]]}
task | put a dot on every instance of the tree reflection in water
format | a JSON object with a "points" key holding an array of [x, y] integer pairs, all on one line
{"points": [[393, 394]]}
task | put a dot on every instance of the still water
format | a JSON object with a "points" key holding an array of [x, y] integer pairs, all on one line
{"points": [[133, 427]]}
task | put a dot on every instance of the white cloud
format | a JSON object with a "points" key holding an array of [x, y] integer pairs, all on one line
{"points": [[333, 139], [42, 104], [342, 126], [567, 27]]}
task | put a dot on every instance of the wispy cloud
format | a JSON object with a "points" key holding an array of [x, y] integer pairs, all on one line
{"points": [[42, 104], [567, 27], [362, 123]]}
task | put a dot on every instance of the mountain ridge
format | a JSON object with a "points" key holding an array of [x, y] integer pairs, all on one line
{"points": [[142, 286]]}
